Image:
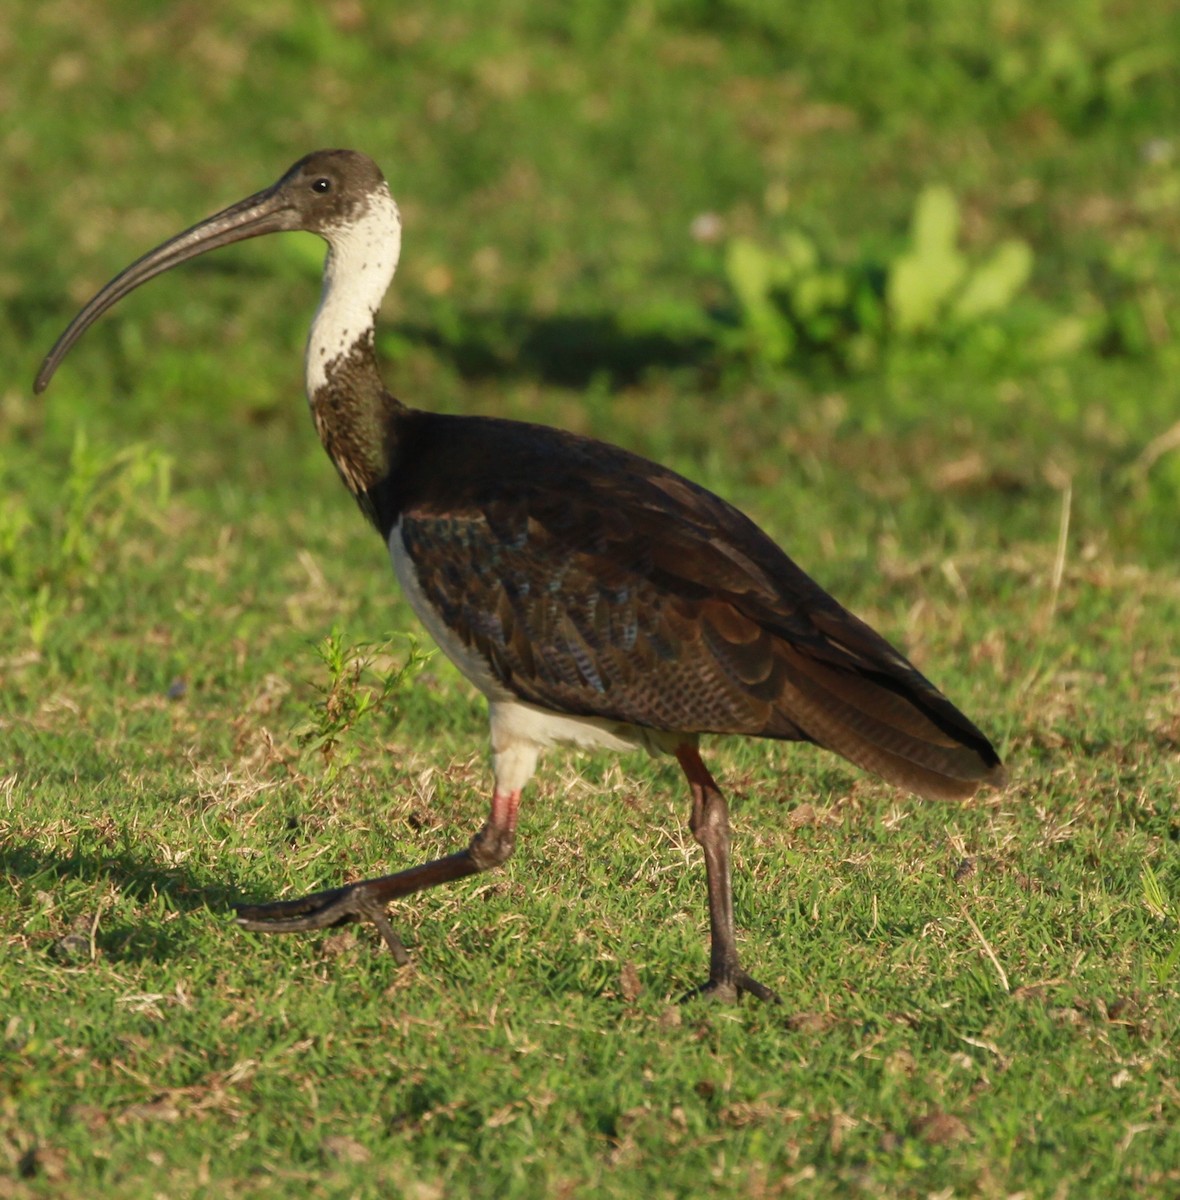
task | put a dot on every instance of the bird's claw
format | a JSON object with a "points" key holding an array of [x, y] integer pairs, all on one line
{"points": [[727, 988], [323, 910], [320, 910]]}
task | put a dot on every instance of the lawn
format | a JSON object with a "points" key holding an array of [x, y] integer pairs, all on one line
{"points": [[694, 229]]}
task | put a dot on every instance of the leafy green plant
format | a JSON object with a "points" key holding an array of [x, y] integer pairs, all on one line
{"points": [[103, 491], [363, 679], [933, 286], [793, 304], [48, 549]]}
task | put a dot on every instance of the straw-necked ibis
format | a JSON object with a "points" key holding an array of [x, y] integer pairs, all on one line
{"points": [[595, 598]]}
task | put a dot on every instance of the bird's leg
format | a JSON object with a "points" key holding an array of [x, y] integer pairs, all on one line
{"points": [[710, 826], [366, 899]]}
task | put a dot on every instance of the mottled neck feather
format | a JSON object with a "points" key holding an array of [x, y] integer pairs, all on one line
{"points": [[353, 413], [356, 418]]}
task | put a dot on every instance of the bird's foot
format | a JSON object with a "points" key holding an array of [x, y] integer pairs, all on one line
{"points": [[324, 910], [726, 987], [364, 900]]}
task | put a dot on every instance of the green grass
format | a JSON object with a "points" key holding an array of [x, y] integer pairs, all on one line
{"points": [[979, 999]]}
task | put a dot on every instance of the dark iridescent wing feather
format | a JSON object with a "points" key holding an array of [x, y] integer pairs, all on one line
{"points": [[598, 584]]}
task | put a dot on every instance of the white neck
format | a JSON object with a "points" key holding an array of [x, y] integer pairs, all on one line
{"points": [[362, 257]]}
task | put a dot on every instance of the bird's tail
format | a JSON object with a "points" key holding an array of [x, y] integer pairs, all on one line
{"points": [[890, 720]]}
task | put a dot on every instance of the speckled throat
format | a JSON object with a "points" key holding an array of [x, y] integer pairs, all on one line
{"points": [[356, 419]]}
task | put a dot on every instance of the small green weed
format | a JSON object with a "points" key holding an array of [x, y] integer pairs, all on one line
{"points": [[103, 489], [53, 544], [363, 679]]}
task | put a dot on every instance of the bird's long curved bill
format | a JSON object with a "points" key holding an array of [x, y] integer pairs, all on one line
{"points": [[264, 212]]}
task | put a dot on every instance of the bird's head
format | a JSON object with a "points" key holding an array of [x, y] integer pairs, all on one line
{"points": [[332, 193]]}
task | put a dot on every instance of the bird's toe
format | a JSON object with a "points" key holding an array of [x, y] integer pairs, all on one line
{"points": [[729, 987], [323, 910]]}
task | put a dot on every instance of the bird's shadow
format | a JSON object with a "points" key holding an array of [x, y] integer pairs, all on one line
{"points": [[135, 877], [563, 350]]}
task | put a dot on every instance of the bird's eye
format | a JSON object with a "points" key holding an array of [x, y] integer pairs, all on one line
{"points": [[321, 185]]}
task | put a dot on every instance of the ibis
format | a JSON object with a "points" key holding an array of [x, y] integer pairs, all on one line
{"points": [[595, 598]]}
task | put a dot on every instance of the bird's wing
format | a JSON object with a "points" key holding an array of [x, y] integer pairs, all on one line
{"points": [[610, 587]]}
